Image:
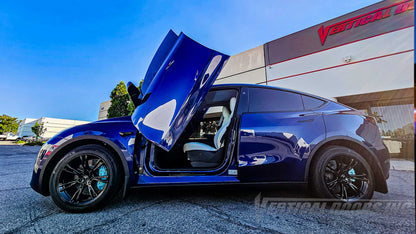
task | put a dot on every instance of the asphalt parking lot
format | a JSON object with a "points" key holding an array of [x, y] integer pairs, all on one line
{"points": [[195, 210]]}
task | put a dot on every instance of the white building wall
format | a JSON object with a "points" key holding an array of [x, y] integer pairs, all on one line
{"points": [[251, 77], [380, 63], [102, 114], [53, 126], [246, 67]]}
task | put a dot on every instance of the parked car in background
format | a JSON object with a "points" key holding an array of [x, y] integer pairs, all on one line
{"points": [[185, 131], [8, 136], [29, 138], [33, 138], [12, 137]]}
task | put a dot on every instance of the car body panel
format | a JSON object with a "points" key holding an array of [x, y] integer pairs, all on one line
{"points": [[176, 91], [347, 123], [276, 146], [270, 147], [157, 61], [106, 131], [291, 162], [350, 125], [201, 179]]}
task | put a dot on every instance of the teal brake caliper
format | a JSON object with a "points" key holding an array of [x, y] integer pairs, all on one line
{"points": [[102, 172], [351, 172]]}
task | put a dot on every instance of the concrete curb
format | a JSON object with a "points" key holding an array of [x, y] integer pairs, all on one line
{"points": [[7, 143], [402, 165]]}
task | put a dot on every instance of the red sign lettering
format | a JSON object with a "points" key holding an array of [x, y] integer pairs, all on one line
{"points": [[364, 19]]}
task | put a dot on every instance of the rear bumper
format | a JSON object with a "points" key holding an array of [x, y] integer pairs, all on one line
{"points": [[382, 169], [387, 171], [384, 157]]}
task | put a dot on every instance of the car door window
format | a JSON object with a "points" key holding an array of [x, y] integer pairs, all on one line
{"points": [[311, 103], [271, 100]]}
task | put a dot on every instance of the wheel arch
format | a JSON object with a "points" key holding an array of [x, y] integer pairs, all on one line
{"points": [[69, 145], [357, 146]]}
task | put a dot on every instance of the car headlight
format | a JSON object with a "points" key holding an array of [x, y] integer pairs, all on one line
{"points": [[45, 150]]}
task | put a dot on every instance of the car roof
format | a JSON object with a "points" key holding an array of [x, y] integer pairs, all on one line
{"points": [[235, 85]]}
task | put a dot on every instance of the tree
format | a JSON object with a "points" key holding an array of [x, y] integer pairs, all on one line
{"points": [[121, 104], [140, 85], [38, 129], [378, 117], [9, 124]]}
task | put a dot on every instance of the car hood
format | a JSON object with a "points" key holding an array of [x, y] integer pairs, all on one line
{"points": [[172, 95]]}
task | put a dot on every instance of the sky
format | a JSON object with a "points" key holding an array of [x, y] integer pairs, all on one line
{"points": [[61, 59]]}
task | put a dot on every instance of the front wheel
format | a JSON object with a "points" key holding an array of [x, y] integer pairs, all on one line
{"points": [[343, 174], [84, 178]]}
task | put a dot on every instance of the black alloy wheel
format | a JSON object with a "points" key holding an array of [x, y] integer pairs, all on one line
{"points": [[84, 178], [343, 174]]}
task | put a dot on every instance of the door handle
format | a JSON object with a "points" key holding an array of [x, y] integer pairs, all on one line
{"points": [[305, 120], [310, 114]]}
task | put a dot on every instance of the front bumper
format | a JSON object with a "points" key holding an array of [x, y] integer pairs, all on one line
{"points": [[37, 174]]}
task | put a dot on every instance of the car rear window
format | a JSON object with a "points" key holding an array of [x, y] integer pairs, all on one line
{"points": [[311, 103], [271, 100]]}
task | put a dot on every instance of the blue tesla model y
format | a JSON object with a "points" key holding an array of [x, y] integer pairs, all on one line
{"points": [[187, 131]]}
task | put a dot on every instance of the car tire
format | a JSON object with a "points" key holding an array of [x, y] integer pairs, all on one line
{"points": [[341, 174], [84, 178]]}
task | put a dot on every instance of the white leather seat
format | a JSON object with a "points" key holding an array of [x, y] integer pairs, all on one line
{"points": [[197, 146], [226, 119]]}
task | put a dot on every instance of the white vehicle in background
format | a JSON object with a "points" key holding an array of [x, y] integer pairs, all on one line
{"points": [[28, 138], [8, 136]]}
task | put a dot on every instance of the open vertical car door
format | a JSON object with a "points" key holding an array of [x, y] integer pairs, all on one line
{"points": [[178, 78]]}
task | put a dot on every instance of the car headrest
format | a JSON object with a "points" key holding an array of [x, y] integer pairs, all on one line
{"points": [[225, 112], [232, 103]]}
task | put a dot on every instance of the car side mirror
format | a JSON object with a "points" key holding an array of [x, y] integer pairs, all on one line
{"points": [[134, 93]]}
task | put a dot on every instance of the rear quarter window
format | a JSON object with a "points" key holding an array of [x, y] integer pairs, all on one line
{"points": [[311, 103], [271, 100]]}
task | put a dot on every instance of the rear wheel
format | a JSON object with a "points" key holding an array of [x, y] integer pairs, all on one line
{"points": [[84, 178], [343, 174]]}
